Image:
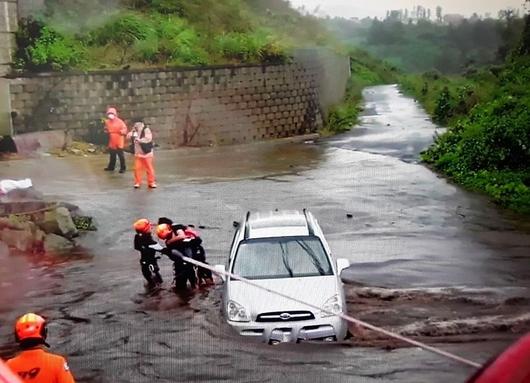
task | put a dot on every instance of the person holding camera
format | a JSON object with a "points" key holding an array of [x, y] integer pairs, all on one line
{"points": [[142, 146]]}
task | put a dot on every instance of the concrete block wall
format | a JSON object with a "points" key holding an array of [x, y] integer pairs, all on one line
{"points": [[197, 107], [8, 27], [333, 72]]}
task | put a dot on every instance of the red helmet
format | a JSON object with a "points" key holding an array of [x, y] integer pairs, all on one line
{"points": [[163, 231], [142, 226], [30, 326]]}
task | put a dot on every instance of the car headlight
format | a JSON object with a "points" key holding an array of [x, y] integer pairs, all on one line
{"points": [[237, 313], [332, 306]]}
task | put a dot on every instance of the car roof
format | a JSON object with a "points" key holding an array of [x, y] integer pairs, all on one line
{"points": [[282, 223]]}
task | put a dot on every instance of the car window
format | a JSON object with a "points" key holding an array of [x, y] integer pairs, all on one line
{"points": [[292, 257]]}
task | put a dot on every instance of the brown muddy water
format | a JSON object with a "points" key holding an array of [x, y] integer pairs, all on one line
{"points": [[429, 260]]}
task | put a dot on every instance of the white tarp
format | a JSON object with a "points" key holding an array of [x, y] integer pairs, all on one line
{"points": [[7, 186]]}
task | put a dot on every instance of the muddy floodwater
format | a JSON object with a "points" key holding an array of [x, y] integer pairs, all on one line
{"points": [[428, 260]]}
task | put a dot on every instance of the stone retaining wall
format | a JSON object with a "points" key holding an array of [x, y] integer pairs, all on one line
{"points": [[199, 106]]}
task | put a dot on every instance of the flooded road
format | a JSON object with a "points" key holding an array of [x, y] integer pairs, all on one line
{"points": [[428, 259]]}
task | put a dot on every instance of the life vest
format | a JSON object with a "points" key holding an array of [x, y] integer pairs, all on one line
{"points": [[190, 233]]}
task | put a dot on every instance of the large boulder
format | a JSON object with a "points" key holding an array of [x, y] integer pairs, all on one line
{"points": [[55, 244], [59, 221], [19, 239], [4, 250]]}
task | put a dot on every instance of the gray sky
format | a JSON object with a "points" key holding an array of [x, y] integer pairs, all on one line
{"points": [[363, 8]]}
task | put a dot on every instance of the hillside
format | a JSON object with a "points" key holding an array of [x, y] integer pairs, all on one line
{"points": [[75, 34], [426, 44], [487, 145]]}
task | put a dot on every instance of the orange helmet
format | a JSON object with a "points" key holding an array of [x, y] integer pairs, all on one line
{"points": [[142, 226], [163, 231], [30, 326]]}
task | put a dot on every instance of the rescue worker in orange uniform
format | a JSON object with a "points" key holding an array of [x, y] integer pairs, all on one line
{"points": [[6, 375], [148, 259], [34, 364], [142, 138], [175, 247], [117, 130]]}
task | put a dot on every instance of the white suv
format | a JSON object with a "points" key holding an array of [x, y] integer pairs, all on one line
{"points": [[284, 251]]}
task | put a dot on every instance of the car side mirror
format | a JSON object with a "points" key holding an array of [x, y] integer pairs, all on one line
{"points": [[220, 269], [342, 264]]}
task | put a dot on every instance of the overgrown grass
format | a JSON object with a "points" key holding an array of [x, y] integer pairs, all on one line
{"points": [[366, 71], [448, 98], [144, 33]]}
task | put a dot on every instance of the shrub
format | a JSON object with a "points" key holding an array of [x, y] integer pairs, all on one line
{"points": [[41, 48], [444, 106], [124, 31], [342, 118], [250, 47]]}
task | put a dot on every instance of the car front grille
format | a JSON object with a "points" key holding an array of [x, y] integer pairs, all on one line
{"points": [[285, 316]]}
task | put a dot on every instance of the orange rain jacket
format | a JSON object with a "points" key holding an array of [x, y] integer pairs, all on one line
{"points": [[6, 375], [38, 366], [116, 129]]}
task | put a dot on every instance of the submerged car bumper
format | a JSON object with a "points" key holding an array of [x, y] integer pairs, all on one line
{"points": [[317, 329]]}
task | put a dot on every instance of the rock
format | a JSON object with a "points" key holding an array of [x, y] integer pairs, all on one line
{"points": [[38, 241], [4, 249], [18, 239], [59, 221], [73, 209], [91, 150], [55, 244], [75, 151], [5, 223]]}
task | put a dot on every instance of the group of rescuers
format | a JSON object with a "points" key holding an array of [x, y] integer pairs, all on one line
{"points": [[35, 364]]}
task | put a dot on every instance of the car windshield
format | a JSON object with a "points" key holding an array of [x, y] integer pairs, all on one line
{"points": [[291, 257]]}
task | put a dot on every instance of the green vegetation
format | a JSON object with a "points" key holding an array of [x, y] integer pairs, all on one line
{"points": [[41, 48], [75, 34], [487, 145], [424, 44], [366, 71], [449, 98]]}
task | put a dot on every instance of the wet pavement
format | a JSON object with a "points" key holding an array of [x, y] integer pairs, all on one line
{"points": [[428, 259]]}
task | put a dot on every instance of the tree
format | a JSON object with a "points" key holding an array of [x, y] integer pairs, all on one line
{"points": [[510, 29], [429, 13], [524, 45], [507, 14], [439, 16]]}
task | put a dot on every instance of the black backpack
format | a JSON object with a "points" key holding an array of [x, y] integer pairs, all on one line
{"points": [[146, 147]]}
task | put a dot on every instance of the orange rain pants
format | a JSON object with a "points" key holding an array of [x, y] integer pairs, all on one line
{"points": [[141, 165]]}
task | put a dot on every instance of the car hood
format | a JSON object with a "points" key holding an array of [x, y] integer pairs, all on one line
{"points": [[313, 290]]}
